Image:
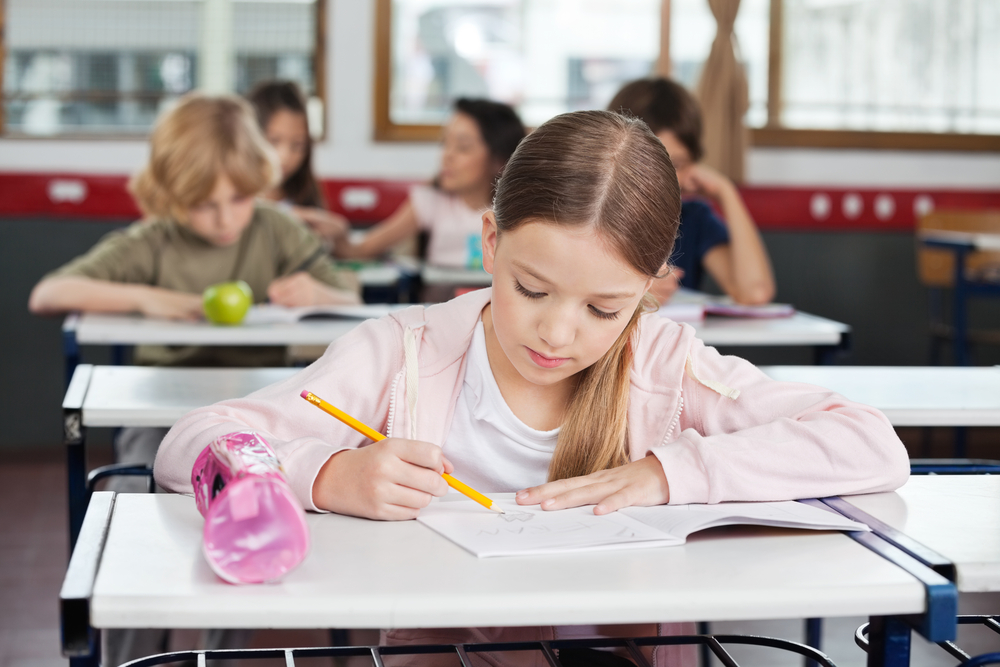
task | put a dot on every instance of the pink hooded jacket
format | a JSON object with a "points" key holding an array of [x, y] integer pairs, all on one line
{"points": [[721, 428]]}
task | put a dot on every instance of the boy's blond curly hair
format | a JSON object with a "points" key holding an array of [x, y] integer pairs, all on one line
{"points": [[201, 138]]}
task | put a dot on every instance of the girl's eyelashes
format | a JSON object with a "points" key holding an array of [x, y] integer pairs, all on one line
{"points": [[526, 292], [604, 315]]}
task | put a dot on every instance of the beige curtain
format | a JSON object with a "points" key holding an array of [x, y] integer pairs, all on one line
{"points": [[722, 91]]}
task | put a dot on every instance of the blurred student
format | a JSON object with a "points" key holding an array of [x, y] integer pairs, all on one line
{"points": [[281, 114], [208, 163], [477, 141], [732, 252]]}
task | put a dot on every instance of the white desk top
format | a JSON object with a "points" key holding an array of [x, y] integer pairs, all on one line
{"points": [[911, 395], [153, 574], [957, 516], [979, 241], [439, 275], [145, 396], [98, 329], [798, 329]]}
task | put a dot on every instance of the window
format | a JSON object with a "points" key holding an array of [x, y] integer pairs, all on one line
{"points": [[864, 73], [99, 67], [544, 56]]}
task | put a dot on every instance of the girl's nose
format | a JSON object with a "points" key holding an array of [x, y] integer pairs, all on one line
{"points": [[558, 330]]}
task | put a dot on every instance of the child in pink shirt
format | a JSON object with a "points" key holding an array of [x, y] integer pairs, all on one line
{"points": [[477, 141], [557, 382]]}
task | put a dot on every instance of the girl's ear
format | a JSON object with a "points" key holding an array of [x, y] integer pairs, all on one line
{"points": [[489, 240]]}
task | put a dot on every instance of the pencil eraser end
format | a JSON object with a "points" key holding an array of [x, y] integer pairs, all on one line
{"points": [[305, 393]]}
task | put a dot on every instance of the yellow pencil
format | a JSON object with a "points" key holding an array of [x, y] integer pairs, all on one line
{"points": [[368, 431]]}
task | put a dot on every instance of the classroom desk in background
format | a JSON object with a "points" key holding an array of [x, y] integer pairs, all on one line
{"points": [[910, 395], [120, 396], [960, 244], [827, 337], [139, 562]]}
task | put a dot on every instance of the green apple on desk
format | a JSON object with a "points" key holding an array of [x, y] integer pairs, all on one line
{"points": [[227, 303]]}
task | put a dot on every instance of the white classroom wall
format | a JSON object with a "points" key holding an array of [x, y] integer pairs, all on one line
{"points": [[350, 152]]}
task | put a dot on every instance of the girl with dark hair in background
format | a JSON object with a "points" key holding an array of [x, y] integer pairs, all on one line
{"points": [[732, 252], [477, 141], [283, 118]]}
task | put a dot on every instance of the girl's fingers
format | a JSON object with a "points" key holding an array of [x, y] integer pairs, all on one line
{"points": [[590, 494], [423, 454], [421, 480], [616, 501], [405, 497]]}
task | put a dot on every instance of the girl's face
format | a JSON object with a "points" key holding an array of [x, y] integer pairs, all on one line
{"points": [[680, 156], [222, 217], [561, 297], [466, 163], [288, 132]]}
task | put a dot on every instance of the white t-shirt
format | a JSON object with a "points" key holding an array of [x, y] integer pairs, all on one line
{"points": [[456, 230], [492, 450]]}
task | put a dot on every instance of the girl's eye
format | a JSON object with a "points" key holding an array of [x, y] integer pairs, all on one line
{"points": [[604, 315], [526, 292]]}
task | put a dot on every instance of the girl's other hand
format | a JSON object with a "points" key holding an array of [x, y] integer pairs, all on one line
{"points": [[170, 305], [664, 288], [640, 483], [704, 180], [329, 226], [301, 289], [390, 480]]}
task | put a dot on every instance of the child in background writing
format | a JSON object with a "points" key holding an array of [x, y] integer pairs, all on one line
{"points": [[208, 162], [555, 383], [478, 140], [282, 116], [732, 252]]}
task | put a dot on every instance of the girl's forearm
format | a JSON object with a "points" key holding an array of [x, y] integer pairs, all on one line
{"points": [[752, 277], [59, 295]]}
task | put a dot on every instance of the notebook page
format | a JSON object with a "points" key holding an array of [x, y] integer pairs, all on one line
{"points": [[530, 531], [682, 520]]}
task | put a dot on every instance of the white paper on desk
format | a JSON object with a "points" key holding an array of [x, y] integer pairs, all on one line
{"points": [[530, 531], [682, 311], [268, 313], [682, 520], [486, 534]]}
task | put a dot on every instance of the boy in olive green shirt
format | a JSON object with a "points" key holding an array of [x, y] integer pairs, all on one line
{"points": [[208, 162]]}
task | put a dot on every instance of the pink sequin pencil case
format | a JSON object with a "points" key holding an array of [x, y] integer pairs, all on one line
{"points": [[255, 529]]}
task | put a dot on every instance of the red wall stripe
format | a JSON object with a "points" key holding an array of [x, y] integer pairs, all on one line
{"points": [[60, 195]]}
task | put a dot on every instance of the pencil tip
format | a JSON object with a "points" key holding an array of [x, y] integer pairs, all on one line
{"points": [[497, 509]]}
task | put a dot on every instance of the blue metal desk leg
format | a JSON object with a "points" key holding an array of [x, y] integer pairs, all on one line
{"points": [[71, 353], [888, 642], [814, 636], [74, 436], [959, 312]]}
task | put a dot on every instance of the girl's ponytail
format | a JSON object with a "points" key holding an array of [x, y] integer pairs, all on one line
{"points": [[587, 443]]}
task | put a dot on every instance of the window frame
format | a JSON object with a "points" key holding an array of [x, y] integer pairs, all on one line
{"points": [[772, 135], [319, 73]]}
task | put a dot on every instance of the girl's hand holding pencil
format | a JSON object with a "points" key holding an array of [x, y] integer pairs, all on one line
{"points": [[390, 480]]}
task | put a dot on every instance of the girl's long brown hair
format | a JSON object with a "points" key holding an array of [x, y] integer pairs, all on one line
{"points": [[270, 97], [609, 172]]}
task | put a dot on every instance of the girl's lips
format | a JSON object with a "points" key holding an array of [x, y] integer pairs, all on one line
{"points": [[546, 362]]}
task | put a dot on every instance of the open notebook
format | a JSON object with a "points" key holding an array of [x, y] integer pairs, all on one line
{"points": [[269, 313], [528, 530]]}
